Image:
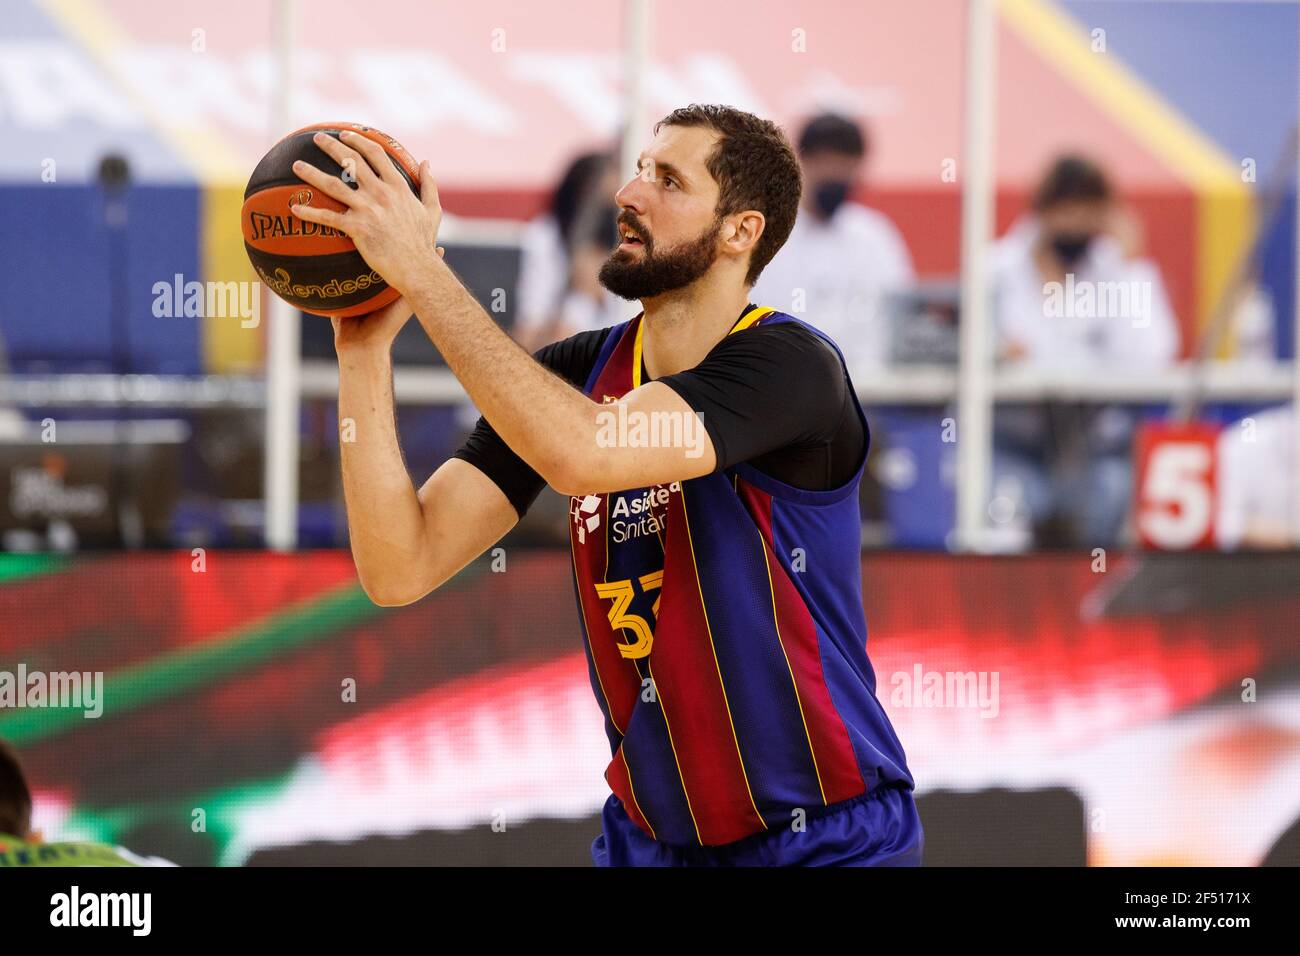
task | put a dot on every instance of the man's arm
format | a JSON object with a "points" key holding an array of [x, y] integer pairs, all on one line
{"points": [[553, 426], [548, 422], [404, 543]]}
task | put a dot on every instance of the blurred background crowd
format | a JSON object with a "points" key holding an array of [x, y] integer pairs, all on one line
{"points": [[1140, 276], [1062, 262]]}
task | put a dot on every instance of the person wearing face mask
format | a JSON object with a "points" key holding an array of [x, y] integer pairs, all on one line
{"points": [[1077, 233], [1071, 292], [842, 259], [561, 253]]}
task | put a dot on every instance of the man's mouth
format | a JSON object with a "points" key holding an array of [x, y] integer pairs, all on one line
{"points": [[628, 239]]}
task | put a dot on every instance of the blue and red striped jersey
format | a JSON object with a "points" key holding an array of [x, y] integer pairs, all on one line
{"points": [[726, 640]]}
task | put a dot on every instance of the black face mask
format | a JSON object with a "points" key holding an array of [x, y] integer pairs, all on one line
{"points": [[1070, 247], [830, 195]]}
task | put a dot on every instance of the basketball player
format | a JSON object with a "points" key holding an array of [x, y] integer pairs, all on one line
{"points": [[712, 449]]}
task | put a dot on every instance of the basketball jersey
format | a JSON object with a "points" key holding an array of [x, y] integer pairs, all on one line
{"points": [[725, 639], [22, 853]]}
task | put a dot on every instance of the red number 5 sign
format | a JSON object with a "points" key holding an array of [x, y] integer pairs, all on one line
{"points": [[1174, 485]]}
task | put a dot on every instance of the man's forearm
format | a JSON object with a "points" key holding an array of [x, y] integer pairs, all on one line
{"points": [[543, 418], [385, 523]]}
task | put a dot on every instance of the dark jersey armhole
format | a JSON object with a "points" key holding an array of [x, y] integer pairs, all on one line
{"points": [[573, 359]]}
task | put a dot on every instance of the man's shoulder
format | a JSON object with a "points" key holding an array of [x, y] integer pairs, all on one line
{"points": [[794, 348], [782, 326]]}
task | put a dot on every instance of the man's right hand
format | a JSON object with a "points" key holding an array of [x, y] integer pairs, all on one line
{"points": [[375, 330]]}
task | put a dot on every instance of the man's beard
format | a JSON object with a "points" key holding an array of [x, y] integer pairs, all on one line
{"points": [[656, 273]]}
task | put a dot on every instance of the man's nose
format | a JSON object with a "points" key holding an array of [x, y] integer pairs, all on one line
{"points": [[632, 196]]}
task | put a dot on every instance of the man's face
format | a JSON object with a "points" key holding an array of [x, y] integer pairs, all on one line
{"points": [[668, 227]]}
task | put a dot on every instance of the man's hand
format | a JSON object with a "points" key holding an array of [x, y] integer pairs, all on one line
{"points": [[374, 331], [395, 231]]}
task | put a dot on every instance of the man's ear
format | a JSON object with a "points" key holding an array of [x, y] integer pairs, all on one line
{"points": [[746, 228]]}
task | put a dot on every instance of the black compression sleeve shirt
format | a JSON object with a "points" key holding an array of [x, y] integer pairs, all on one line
{"points": [[572, 359], [774, 396]]}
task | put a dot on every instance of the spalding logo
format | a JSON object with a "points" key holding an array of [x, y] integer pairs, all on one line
{"points": [[301, 198]]}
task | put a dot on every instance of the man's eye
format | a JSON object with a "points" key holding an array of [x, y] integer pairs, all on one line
{"points": [[669, 181]]}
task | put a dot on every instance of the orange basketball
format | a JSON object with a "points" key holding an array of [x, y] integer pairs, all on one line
{"points": [[312, 267]]}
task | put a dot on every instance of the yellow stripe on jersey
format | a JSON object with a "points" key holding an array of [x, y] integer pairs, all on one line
{"points": [[749, 319]]}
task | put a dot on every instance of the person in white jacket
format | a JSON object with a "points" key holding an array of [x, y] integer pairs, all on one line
{"points": [[1072, 292], [842, 259], [1256, 484]]}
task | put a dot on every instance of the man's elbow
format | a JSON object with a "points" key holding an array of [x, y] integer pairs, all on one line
{"points": [[393, 593], [577, 479], [572, 475], [387, 597], [565, 485]]}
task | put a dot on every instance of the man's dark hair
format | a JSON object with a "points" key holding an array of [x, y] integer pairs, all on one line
{"points": [[15, 796], [1072, 178], [754, 167], [832, 133]]}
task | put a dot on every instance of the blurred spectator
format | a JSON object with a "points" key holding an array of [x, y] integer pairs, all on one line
{"points": [[842, 258], [562, 251], [1071, 292], [1256, 481], [22, 846], [1070, 286]]}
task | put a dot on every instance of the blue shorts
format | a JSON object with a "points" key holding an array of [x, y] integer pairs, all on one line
{"points": [[879, 828]]}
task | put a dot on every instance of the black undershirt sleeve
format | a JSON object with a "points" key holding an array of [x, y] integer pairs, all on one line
{"points": [[773, 396], [777, 398], [571, 359]]}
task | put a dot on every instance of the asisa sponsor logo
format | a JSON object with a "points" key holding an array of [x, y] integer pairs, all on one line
{"points": [[634, 514]]}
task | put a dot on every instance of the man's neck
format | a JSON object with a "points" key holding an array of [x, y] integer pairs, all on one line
{"points": [[681, 327]]}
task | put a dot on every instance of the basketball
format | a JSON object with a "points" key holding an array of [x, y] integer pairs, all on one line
{"points": [[312, 267]]}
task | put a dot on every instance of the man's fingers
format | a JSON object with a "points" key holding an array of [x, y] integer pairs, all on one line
{"points": [[331, 186], [326, 217], [355, 168], [429, 188], [379, 160]]}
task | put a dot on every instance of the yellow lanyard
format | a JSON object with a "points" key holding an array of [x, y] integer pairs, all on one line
{"points": [[745, 322]]}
